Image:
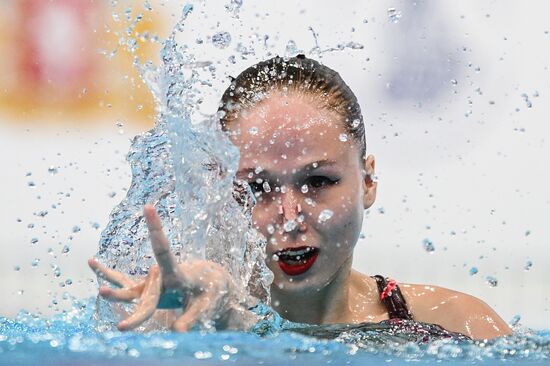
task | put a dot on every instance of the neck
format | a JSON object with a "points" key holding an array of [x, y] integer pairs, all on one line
{"points": [[327, 304]]}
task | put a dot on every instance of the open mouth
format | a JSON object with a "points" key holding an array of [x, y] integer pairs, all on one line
{"points": [[295, 261]]}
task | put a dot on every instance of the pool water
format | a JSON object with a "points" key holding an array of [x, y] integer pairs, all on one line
{"points": [[71, 338]]}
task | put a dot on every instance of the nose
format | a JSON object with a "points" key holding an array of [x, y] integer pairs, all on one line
{"points": [[289, 205], [291, 211]]}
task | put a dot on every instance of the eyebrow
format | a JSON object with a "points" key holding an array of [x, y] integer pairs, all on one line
{"points": [[308, 167]]}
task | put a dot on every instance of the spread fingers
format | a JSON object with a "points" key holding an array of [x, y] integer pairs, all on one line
{"points": [[160, 244], [197, 309], [126, 294], [110, 275], [147, 302]]}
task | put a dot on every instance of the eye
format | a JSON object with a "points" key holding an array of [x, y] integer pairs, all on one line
{"points": [[319, 181]]}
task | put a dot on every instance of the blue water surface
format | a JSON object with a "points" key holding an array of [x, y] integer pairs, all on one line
{"points": [[72, 339]]}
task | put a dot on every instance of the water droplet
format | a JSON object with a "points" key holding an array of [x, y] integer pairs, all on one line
{"points": [[231, 350], [491, 281], [253, 130], [199, 355], [42, 213], [35, 262], [128, 13], [66, 249], [355, 123], [266, 187], [270, 228], [515, 320], [30, 225], [473, 271], [343, 137], [304, 188], [34, 240], [56, 270], [112, 194], [234, 7], [310, 202], [17, 268], [258, 170], [528, 265], [526, 99], [325, 215], [527, 232], [454, 82], [119, 123], [52, 170], [147, 5], [76, 229], [290, 225], [95, 225], [31, 184], [291, 49], [284, 189], [428, 245], [221, 39], [381, 210], [394, 15]]}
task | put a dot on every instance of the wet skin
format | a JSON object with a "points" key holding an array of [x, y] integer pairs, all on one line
{"points": [[296, 143]]}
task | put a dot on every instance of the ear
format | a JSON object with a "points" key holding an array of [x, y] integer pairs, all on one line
{"points": [[369, 182]]}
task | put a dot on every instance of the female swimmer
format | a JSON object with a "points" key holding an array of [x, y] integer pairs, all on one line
{"points": [[299, 122]]}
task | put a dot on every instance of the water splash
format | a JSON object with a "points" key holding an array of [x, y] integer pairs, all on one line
{"points": [[185, 167]]}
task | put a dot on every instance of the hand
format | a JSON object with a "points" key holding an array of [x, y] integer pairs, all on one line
{"points": [[201, 288]]}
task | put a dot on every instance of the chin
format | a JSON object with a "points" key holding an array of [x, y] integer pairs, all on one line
{"points": [[306, 283]]}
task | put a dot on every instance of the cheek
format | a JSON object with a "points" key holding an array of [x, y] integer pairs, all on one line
{"points": [[346, 223], [262, 217]]}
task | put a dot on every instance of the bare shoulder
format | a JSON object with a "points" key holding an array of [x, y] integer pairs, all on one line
{"points": [[454, 311]]}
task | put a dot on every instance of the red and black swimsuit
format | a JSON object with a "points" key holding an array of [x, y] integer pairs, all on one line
{"points": [[392, 298]]}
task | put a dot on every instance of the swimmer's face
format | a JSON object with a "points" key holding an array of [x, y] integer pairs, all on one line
{"points": [[311, 187]]}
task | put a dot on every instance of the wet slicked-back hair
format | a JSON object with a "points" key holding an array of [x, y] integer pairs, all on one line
{"points": [[297, 74]]}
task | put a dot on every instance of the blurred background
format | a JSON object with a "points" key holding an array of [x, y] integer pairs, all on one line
{"points": [[455, 97]]}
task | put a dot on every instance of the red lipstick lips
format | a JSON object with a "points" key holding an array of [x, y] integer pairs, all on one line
{"points": [[295, 261]]}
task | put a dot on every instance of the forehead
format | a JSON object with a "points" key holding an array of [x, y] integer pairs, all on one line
{"points": [[285, 129]]}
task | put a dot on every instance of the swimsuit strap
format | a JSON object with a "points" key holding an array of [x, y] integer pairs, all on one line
{"points": [[392, 298]]}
